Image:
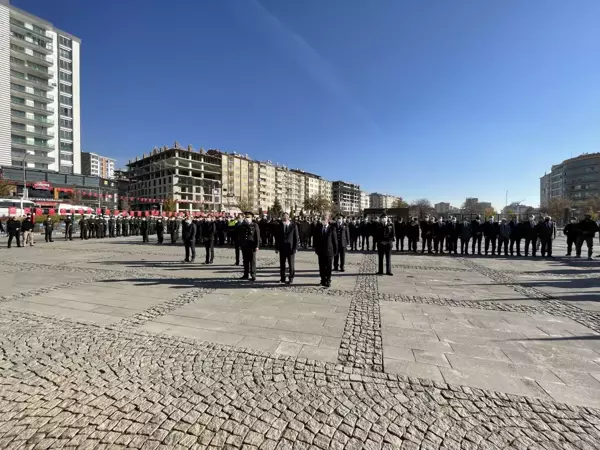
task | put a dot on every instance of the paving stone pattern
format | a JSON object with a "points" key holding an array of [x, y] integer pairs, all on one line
{"points": [[113, 384]]}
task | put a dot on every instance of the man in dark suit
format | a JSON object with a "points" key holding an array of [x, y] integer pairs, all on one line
{"points": [[342, 234], [515, 235], [530, 234], [249, 238], [490, 233], [385, 238], [547, 233], [188, 233], [209, 234], [400, 231], [477, 234], [287, 237], [325, 247]]}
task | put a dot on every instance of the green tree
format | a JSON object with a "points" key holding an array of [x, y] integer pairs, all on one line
{"points": [[6, 188], [169, 205], [399, 203], [489, 212], [317, 205], [276, 209]]}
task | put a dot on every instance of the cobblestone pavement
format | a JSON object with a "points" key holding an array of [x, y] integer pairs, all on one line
{"points": [[113, 344]]}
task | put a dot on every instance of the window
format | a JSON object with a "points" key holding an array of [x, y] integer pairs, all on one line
{"points": [[66, 112], [66, 169], [18, 126], [65, 53], [63, 76], [66, 157], [65, 41], [16, 113], [41, 166], [18, 139], [65, 65], [17, 87], [66, 123], [66, 146], [66, 88], [66, 100], [66, 134]]}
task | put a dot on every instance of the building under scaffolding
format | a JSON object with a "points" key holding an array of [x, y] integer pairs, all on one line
{"points": [[191, 178]]}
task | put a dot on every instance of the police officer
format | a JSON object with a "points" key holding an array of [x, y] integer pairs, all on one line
{"points": [[160, 230], [48, 228], [249, 236], [342, 235], [385, 238]]}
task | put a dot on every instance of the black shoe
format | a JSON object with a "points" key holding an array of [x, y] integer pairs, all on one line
{"points": [[342, 270], [192, 260], [577, 256], [253, 279], [290, 281], [568, 254], [390, 274], [335, 269], [282, 281], [244, 277], [379, 273], [185, 261]]}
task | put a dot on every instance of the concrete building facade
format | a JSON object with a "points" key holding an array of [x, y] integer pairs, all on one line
{"points": [[346, 197], [97, 165], [39, 94], [382, 200], [442, 208], [576, 178]]}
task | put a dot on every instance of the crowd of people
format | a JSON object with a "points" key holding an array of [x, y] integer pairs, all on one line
{"points": [[330, 239]]}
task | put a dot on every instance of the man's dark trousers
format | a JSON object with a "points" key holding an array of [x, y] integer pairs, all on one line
{"points": [[290, 258], [385, 250]]}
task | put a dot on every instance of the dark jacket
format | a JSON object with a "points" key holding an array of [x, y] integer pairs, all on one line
{"points": [[588, 228], [547, 230], [326, 243], [286, 241], [13, 226], [160, 227], [412, 230], [188, 231], [48, 224], [464, 231], [439, 230], [529, 230], [515, 230], [209, 229], [491, 229], [426, 229], [452, 230], [249, 235], [400, 229], [343, 234], [27, 225], [572, 230], [385, 234], [476, 227]]}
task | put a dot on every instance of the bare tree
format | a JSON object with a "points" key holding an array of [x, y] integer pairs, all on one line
{"points": [[556, 207], [243, 204], [399, 203], [420, 208], [471, 206], [591, 206]]}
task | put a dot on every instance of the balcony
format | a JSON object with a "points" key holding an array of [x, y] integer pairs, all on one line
{"points": [[21, 54], [42, 96], [36, 71], [30, 120], [28, 41], [46, 110], [23, 78], [36, 33], [20, 145], [37, 134]]}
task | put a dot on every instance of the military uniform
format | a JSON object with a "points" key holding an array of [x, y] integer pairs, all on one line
{"points": [[48, 228], [82, 228], [160, 231], [144, 230]]}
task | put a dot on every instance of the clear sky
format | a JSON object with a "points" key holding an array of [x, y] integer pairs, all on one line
{"points": [[436, 99]]}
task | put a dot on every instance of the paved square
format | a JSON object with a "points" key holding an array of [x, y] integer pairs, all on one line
{"points": [[114, 344]]}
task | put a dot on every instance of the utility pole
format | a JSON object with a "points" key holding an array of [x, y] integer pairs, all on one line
{"points": [[24, 193]]}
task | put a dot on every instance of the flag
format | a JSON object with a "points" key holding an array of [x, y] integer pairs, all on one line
{"points": [[98, 211], [39, 211], [51, 211], [139, 214], [27, 210], [62, 211], [12, 210]]}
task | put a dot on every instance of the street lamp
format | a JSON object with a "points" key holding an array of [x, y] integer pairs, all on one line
{"points": [[24, 193]]}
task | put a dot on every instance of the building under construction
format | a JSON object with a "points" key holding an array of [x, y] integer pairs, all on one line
{"points": [[191, 178]]}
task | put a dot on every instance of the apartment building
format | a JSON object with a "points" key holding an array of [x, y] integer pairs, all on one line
{"points": [[96, 165], [266, 184], [365, 200], [192, 179], [382, 200], [346, 197], [576, 178], [442, 208], [39, 94], [240, 179]]}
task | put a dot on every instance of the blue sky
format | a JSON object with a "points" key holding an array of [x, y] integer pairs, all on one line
{"points": [[436, 99]]}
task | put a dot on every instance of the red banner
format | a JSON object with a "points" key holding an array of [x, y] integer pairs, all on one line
{"points": [[147, 213], [42, 185], [89, 210], [98, 211], [62, 211], [51, 211], [12, 210], [27, 210], [80, 210], [107, 212], [39, 211], [125, 214], [155, 213], [139, 214], [116, 212]]}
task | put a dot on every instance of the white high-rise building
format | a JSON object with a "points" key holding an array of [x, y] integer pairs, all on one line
{"points": [[39, 93]]}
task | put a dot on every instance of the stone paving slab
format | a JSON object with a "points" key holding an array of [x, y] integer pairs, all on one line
{"points": [[166, 355]]}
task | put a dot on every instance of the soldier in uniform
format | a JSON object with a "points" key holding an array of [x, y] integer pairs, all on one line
{"points": [[477, 233], [111, 226], [82, 228], [209, 234], [490, 233], [144, 229], [412, 233], [400, 230], [48, 228], [427, 233], [249, 236], [160, 230], [126, 221], [385, 238], [188, 233], [236, 238], [118, 225], [287, 239], [343, 238]]}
